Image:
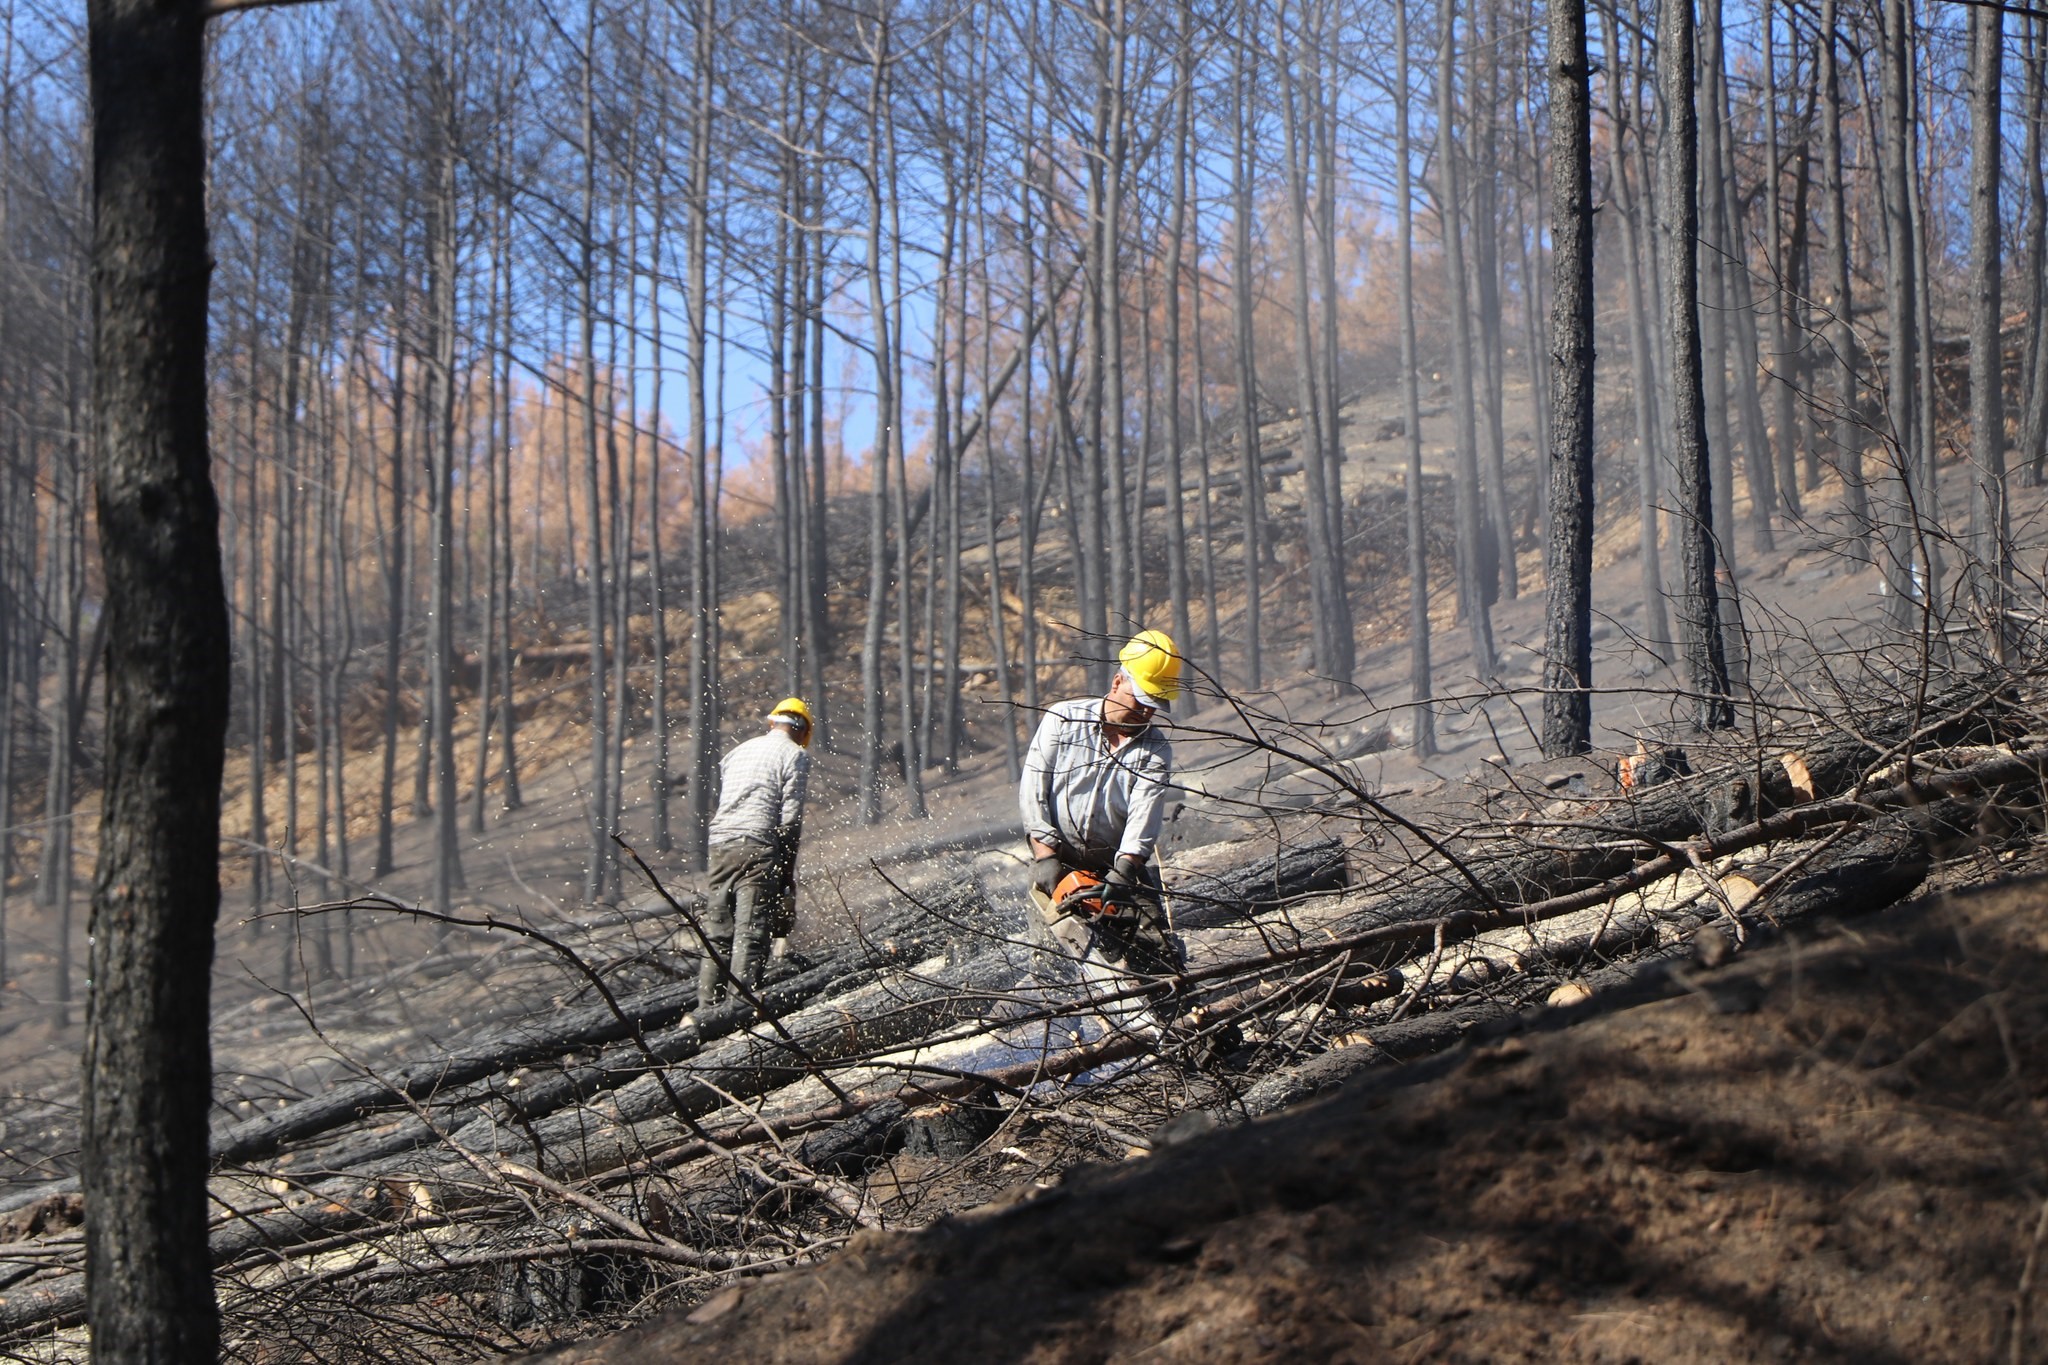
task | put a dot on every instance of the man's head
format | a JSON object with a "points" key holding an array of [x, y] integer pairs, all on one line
{"points": [[1147, 680], [1150, 669], [792, 716]]}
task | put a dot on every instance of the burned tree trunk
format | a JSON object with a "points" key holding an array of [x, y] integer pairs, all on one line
{"points": [[1989, 520], [1845, 424], [1568, 566], [1421, 677], [148, 1062], [1679, 213]]}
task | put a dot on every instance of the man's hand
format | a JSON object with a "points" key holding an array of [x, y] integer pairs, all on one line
{"points": [[1045, 872], [1125, 879]]}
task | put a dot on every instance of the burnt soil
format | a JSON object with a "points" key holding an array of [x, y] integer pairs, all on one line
{"points": [[1831, 1150]]}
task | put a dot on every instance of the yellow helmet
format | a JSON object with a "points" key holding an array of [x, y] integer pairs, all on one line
{"points": [[793, 708], [1152, 665]]}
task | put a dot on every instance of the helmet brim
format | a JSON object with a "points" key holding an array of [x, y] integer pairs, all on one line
{"points": [[1161, 705]]}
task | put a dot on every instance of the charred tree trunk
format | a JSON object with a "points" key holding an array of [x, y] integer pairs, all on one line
{"points": [[1323, 611], [1989, 520], [1252, 487], [1475, 580], [1845, 425], [156, 892], [873, 713], [441, 632], [1568, 566], [1678, 204], [2033, 451], [598, 882], [1642, 358], [702, 752], [1901, 304], [1176, 244], [1421, 679]]}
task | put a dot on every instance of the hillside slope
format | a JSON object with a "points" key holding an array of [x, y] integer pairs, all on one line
{"points": [[1831, 1151]]}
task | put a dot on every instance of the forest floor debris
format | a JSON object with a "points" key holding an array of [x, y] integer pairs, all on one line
{"points": [[1834, 1150]]}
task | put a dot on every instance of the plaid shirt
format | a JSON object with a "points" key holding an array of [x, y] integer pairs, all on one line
{"points": [[760, 789], [1079, 794]]}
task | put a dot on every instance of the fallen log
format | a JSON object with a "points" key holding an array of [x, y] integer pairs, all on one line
{"points": [[1869, 870], [1808, 784], [850, 1146], [1213, 892], [901, 937]]}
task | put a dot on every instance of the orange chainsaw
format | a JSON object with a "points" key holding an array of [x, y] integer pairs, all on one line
{"points": [[1086, 895]]}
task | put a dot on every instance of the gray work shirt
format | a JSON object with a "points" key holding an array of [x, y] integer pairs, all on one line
{"points": [[1079, 794], [760, 789]]}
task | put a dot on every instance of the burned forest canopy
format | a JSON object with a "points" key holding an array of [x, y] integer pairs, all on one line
{"points": [[1593, 461]]}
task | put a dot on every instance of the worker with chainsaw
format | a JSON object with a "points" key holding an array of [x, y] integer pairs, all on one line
{"points": [[754, 839], [1093, 797]]}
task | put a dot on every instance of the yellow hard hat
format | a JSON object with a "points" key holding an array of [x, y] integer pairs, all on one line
{"points": [[1152, 665], [794, 707]]}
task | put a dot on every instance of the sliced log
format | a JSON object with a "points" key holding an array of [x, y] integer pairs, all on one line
{"points": [[1873, 868], [1213, 891], [1614, 836]]}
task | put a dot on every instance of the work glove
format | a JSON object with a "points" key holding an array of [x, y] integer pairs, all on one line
{"points": [[787, 837], [1126, 877], [1045, 873]]}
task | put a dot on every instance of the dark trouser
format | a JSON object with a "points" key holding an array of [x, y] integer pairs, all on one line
{"points": [[746, 894]]}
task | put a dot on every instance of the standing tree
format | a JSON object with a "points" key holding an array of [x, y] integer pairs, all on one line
{"points": [[1421, 683], [1845, 422], [1900, 303], [156, 891], [1988, 516], [1568, 564], [1679, 222], [1476, 578]]}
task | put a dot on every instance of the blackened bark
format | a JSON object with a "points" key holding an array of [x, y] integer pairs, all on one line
{"points": [[872, 710], [1988, 518], [1475, 580], [1845, 424], [2034, 423], [394, 541], [1329, 659], [702, 752], [663, 776], [1176, 240], [442, 268], [1726, 205], [1322, 120], [1642, 359], [1204, 471], [1784, 310], [1679, 214], [1421, 681], [1252, 487], [1487, 358], [1568, 563], [156, 892], [1896, 199], [598, 880]]}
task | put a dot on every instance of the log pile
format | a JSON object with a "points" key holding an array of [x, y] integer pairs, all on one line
{"points": [[562, 1170]]}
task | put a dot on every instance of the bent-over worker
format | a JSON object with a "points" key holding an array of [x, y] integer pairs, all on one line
{"points": [[754, 839], [1093, 796]]}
